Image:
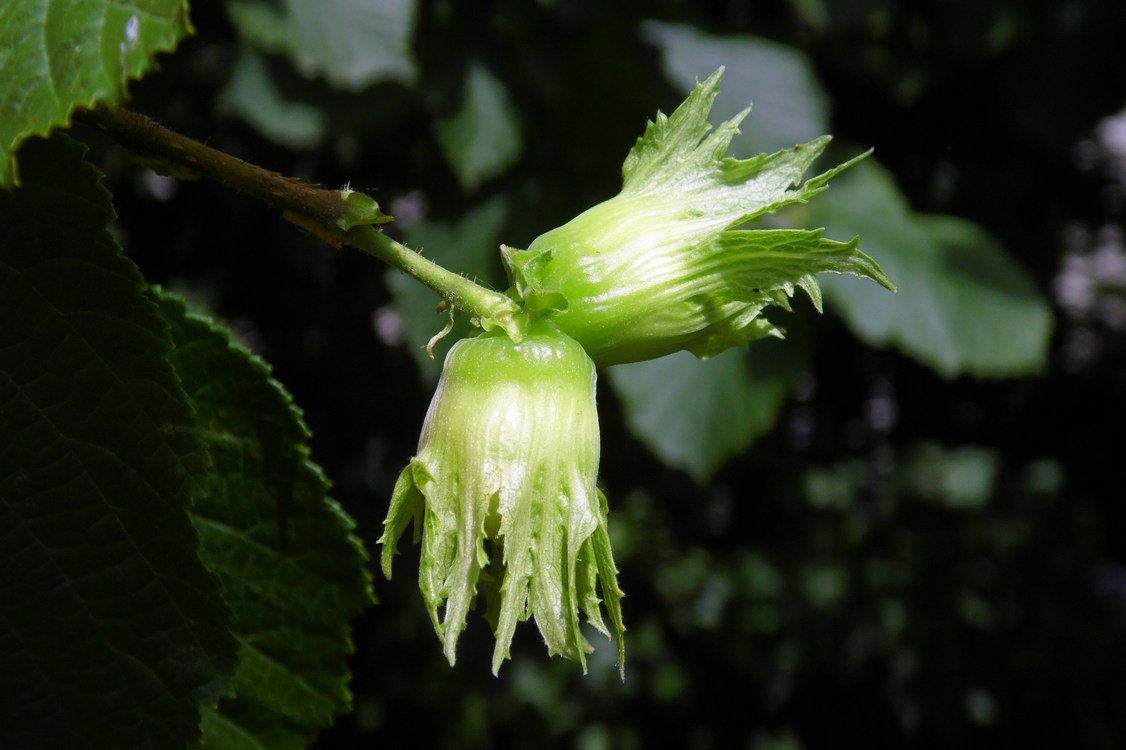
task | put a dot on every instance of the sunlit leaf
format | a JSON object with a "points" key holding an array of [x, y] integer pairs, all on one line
{"points": [[57, 55]]}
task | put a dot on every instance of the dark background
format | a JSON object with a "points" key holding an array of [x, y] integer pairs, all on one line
{"points": [[827, 587]]}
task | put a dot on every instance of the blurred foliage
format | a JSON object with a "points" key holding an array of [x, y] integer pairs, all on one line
{"points": [[965, 306], [693, 414], [910, 558], [882, 586]]}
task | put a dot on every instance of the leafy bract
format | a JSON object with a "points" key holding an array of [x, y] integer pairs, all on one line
{"points": [[112, 632], [789, 105], [677, 153], [966, 306], [502, 493], [58, 55], [351, 43], [663, 266], [292, 571]]}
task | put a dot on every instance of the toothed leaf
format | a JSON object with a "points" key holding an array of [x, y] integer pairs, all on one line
{"points": [[56, 56]]}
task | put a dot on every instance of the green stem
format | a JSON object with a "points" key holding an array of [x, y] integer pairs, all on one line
{"points": [[484, 304]]}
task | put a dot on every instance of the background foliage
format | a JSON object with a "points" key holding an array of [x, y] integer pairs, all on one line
{"points": [[900, 526]]}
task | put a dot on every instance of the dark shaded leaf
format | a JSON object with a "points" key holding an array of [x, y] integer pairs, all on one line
{"points": [[112, 633], [293, 573]]}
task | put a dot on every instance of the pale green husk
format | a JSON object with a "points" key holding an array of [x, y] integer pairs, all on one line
{"points": [[660, 267], [502, 491]]}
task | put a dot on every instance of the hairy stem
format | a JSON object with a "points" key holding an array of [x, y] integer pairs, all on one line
{"points": [[335, 215], [459, 291], [155, 143]]}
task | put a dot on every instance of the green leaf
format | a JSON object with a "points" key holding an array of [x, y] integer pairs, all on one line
{"points": [[58, 55], [351, 43], [693, 414], [112, 633], [470, 247], [964, 305], [292, 571], [252, 95], [482, 139], [789, 105]]}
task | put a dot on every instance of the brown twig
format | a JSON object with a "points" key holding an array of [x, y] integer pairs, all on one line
{"points": [[319, 210], [337, 216]]}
